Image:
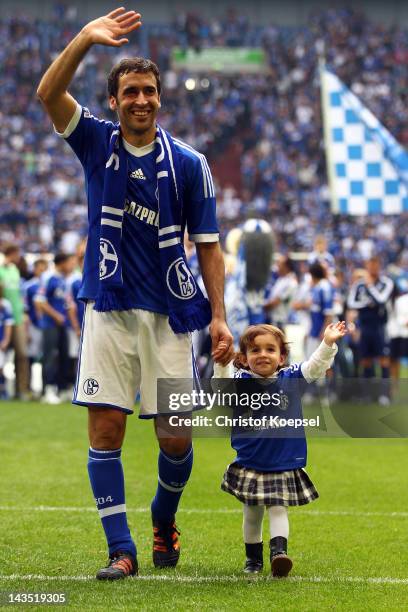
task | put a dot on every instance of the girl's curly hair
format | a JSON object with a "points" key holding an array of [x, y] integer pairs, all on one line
{"points": [[248, 337]]}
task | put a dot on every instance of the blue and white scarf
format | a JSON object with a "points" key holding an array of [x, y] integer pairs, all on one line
{"points": [[188, 308]]}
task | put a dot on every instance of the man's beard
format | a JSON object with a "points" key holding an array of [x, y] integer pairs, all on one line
{"points": [[140, 130]]}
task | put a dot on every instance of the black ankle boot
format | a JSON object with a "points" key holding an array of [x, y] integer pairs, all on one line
{"points": [[254, 558], [281, 564]]}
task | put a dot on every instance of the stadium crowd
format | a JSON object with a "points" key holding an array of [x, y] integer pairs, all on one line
{"points": [[273, 119], [41, 317]]}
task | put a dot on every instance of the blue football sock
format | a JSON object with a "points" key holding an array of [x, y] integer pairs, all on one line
{"points": [[108, 486], [174, 473]]}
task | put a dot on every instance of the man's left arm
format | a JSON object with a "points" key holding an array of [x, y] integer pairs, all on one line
{"points": [[213, 272]]}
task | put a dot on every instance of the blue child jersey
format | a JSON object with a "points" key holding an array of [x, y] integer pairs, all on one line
{"points": [[287, 449], [30, 290], [53, 289], [6, 316], [322, 306], [142, 276]]}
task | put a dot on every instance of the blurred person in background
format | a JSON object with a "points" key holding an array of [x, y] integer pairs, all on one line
{"points": [[321, 305], [300, 306], [76, 313], [10, 278], [53, 302], [279, 298], [321, 255], [34, 331], [397, 330], [321, 310], [351, 318], [6, 330], [371, 297], [343, 367], [23, 268]]}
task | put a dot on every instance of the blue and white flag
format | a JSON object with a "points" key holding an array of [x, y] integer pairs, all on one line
{"points": [[367, 167]]}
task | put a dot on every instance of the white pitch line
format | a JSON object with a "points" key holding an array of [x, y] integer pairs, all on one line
{"points": [[217, 579], [202, 511]]}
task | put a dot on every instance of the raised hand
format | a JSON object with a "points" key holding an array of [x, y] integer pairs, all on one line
{"points": [[334, 332], [112, 28]]}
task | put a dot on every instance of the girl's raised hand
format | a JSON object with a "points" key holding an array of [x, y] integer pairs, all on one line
{"points": [[334, 332]]}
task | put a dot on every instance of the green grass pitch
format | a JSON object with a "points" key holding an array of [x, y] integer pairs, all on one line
{"points": [[350, 547]]}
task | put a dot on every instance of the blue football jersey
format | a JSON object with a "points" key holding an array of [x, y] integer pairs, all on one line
{"points": [[6, 316], [278, 450], [53, 289], [142, 275], [30, 289]]}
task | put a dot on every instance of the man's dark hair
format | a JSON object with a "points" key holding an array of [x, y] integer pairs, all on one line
{"points": [[289, 264], [10, 249], [317, 271], [61, 258], [131, 64]]}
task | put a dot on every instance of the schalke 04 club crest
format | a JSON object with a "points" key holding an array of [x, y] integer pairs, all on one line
{"points": [[180, 280]]}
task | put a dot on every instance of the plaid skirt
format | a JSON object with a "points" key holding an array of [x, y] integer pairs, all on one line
{"points": [[289, 488]]}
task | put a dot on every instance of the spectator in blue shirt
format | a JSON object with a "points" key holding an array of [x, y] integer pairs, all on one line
{"points": [[321, 306], [30, 289], [56, 308], [6, 328]]}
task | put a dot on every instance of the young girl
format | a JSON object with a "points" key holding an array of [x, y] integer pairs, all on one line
{"points": [[268, 471]]}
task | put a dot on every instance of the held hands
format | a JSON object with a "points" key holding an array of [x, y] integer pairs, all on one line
{"points": [[334, 332], [222, 342], [110, 29]]}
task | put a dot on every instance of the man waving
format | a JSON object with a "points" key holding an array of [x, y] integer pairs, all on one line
{"points": [[144, 188]]}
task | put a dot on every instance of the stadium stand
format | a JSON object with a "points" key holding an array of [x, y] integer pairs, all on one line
{"points": [[262, 133]]}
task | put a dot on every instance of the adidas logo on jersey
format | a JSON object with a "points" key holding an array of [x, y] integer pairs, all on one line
{"points": [[138, 174]]}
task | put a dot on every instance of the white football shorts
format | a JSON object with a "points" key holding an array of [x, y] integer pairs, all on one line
{"points": [[73, 344], [123, 352], [35, 341]]}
